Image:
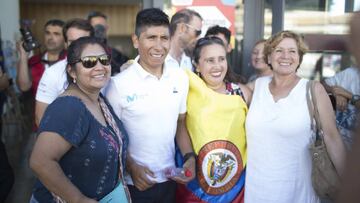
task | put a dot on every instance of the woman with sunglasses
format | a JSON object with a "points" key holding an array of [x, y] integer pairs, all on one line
{"points": [[217, 106], [79, 155]]}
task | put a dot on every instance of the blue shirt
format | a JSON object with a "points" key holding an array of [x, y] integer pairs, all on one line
{"points": [[92, 163]]}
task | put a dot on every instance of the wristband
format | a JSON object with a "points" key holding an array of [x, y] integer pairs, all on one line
{"points": [[189, 155]]}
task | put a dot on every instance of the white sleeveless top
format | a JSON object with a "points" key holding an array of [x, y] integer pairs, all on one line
{"points": [[278, 137]]}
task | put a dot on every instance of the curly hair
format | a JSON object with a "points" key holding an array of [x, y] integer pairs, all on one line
{"points": [[275, 40]]}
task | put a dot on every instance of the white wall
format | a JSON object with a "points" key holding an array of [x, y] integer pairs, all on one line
{"points": [[9, 18], [9, 21]]}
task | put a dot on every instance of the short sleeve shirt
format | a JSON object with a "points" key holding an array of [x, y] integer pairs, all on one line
{"points": [[185, 62], [346, 79], [52, 83], [346, 120], [92, 162], [149, 107]]}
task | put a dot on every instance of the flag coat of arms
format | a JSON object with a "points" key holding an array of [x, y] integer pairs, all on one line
{"points": [[216, 125]]}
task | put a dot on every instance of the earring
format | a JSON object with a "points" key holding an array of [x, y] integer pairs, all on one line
{"points": [[74, 80]]}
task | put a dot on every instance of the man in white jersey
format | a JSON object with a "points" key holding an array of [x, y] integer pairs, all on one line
{"points": [[150, 99], [53, 82]]}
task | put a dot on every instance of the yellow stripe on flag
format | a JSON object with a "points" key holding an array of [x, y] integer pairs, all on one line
{"points": [[213, 116]]}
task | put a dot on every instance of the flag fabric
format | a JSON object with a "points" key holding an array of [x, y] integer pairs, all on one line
{"points": [[216, 125]]}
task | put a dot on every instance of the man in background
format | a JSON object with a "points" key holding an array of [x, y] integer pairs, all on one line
{"points": [[99, 22], [29, 71], [221, 32], [54, 82], [345, 87], [185, 28]]}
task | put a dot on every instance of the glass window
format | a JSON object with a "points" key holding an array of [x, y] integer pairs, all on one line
{"points": [[317, 17], [322, 18]]}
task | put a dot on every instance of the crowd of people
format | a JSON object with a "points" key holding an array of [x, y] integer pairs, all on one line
{"points": [[106, 129]]}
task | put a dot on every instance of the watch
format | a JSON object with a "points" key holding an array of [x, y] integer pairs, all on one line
{"points": [[354, 99], [188, 155]]}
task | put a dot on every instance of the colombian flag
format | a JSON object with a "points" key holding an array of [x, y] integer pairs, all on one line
{"points": [[216, 124]]}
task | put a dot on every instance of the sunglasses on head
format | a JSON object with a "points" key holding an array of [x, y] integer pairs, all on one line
{"points": [[197, 32], [208, 39], [91, 61]]}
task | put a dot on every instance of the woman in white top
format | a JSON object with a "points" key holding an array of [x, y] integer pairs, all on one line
{"points": [[278, 128]]}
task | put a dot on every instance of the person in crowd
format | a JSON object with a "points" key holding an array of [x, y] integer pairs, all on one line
{"points": [[221, 32], [185, 28], [54, 82], [220, 142], [345, 87], [150, 98], [258, 63], [6, 172], [224, 34], [80, 152], [278, 128], [351, 180], [99, 21], [29, 71]]}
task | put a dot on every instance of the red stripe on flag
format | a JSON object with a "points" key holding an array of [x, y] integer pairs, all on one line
{"points": [[183, 195]]}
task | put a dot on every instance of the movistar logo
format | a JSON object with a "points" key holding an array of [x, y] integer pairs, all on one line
{"points": [[134, 97]]}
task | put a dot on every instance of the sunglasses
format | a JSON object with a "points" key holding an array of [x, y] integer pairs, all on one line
{"points": [[91, 61], [197, 32], [209, 40]]}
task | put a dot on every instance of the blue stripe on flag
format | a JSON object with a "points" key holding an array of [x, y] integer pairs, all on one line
{"points": [[195, 188]]}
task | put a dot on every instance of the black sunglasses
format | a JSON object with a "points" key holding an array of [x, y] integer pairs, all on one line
{"points": [[91, 61], [197, 32]]}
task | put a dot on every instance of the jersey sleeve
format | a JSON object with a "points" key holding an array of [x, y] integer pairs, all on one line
{"points": [[113, 95], [183, 103], [49, 85]]}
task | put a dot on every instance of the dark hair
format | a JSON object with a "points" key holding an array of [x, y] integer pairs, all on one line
{"points": [[77, 47], [214, 30], [182, 16], [54, 22], [78, 23], [210, 40], [150, 17], [94, 14], [202, 42]]}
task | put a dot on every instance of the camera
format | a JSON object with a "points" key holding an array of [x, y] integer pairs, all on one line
{"points": [[100, 32], [30, 42]]}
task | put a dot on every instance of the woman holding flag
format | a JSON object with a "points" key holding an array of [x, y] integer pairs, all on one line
{"points": [[217, 107]]}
